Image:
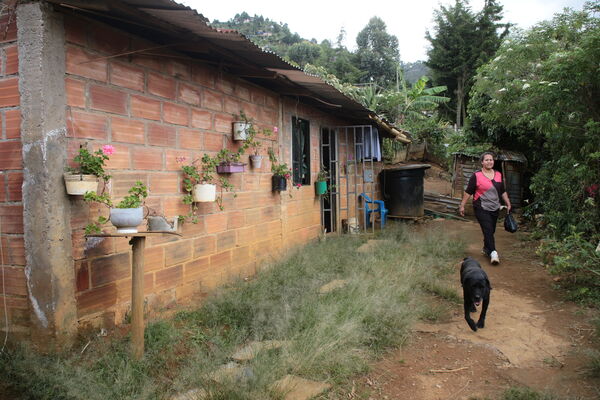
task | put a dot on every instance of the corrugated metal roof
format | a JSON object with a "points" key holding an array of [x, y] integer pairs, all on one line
{"points": [[503, 155], [186, 30]]}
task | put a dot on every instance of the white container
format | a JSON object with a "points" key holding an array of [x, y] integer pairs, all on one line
{"points": [[256, 160], [126, 220], [353, 227], [204, 192], [78, 184], [240, 130]]}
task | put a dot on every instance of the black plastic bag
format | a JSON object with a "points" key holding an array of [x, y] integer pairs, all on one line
{"points": [[510, 224]]}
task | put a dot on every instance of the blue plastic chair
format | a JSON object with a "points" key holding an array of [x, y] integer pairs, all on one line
{"points": [[379, 208]]}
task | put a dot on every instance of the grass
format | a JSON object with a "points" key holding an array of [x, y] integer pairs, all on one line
{"points": [[331, 337]]}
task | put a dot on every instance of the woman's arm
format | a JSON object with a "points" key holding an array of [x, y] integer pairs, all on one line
{"points": [[463, 202], [506, 201]]}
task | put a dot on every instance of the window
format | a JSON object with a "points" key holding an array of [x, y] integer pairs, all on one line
{"points": [[300, 151]]}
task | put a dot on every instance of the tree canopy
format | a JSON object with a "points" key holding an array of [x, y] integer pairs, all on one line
{"points": [[377, 54]]}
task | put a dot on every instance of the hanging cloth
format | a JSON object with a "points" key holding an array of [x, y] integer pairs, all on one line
{"points": [[370, 143]]}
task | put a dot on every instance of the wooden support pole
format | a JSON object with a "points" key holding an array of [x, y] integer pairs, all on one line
{"points": [[138, 244]]}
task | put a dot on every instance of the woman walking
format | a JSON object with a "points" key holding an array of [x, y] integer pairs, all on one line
{"points": [[486, 187]]}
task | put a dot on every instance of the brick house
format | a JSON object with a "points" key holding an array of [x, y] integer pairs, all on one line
{"points": [[155, 81]]}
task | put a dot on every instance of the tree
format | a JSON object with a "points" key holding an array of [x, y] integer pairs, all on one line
{"points": [[304, 52], [377, 54], [462, 42], [540, 95]]}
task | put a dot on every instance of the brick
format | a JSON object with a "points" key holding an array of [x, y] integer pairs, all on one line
{"points": [[154, 258], [15, 183], [194, 270], [225, 85], [242, 92], [97, 299], [108, 40], [14, 281], [173, 205], [165, 183], [224, 123], [226, 240], [12, 119], [75, 30], [144, 107], [205, 246], [178, 252], [79, 62], [122, 182], [108, 99], [87, 125], [148, 61], [75, 92], [176, 114], [82, 276], [9, 31], [147, 158], [161, 86], [216, 222], [212, 100], [188, 94], [110, 269], [127, 76], [179, 70], [9, 92], [232, 106], [246, 236], [241, 255], [202, 119], [12, 60], [190, 139], [235, 219], [213, 142], [204, 76], [220, 261], [3, 189], [168, 278], [121, 159], [162, 135], [257, 96], [127, 130], [15, 303], [173, 155], [10, 155]]}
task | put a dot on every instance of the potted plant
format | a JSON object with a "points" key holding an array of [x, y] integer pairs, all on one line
{"points": [[241, 127], [200, 184], [321, 181], [229, 162], [89, 170], [281, 173], [125, 215], [255, 144]]}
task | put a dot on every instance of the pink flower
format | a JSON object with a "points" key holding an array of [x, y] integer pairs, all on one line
{"points": [[287, 176], [108, 149], [180, 159], [275, 129]]}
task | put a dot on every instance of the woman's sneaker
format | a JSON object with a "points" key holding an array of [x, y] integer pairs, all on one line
{"points": [[494, 258]]}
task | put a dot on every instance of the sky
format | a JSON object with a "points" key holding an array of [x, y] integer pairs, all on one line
{"points": [[407, 20]]}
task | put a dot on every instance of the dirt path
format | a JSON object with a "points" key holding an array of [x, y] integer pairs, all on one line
{"points": [[531, 337]]}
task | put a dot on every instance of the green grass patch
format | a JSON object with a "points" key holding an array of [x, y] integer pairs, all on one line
{"points": [[331, 337]]}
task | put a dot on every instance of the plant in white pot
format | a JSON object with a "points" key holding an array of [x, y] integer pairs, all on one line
{"points": [[256, 145], [88, 170], [126, 215], [200, 184]]}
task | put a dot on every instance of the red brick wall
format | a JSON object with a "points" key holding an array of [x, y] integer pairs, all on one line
{"points": [[153, 109], [12, 253]]}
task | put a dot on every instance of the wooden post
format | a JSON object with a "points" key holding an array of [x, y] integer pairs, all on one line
{"points": [[138, 244]]}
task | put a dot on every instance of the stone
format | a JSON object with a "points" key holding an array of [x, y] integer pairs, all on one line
{"points": [[194, 394], [232, 372], [296, 388], [253, 348], [333, 285]]}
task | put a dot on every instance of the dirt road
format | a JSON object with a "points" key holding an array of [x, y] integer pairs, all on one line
{"points": [[531, 338]]}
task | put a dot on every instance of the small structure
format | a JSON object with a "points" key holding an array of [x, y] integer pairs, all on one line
{"points": [[510, 163]]}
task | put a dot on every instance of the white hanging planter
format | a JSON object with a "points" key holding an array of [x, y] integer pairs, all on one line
{"points": [[240, 130], [204, 192], [126, 220], [256, 160], [78, 184]]}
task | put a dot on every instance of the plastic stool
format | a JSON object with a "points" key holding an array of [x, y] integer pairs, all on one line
{"points": [[379, 208]]}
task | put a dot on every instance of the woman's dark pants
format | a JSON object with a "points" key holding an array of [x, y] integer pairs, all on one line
{"points": [[487, 220]]}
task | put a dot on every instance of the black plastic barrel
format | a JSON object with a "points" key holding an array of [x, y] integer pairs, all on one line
{"points": [[403, 190]]}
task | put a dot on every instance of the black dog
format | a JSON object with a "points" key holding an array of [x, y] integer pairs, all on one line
{"points": [[476, 288]]}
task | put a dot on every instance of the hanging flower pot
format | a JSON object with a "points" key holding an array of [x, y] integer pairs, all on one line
{"points": [[204, 192], [240, 130], [256, 160], [321, 187], [279, 183], [126, 220], [228, 168], [78, 184]]}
